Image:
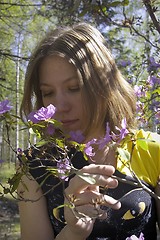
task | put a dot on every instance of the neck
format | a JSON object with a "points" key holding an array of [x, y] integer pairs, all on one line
{"points": [[106, 156], [98, 134]]}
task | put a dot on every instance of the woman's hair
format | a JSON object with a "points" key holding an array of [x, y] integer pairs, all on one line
{"points": [[107, 96]]}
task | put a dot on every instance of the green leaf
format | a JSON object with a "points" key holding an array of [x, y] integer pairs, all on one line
{"points": [[156, 91], [125, 3], [39, 125], [104, 9], [55, 122], [56, 211], [41, 143], [119, 3], [60, 143], [125, 155], [14, 181], [52, 170], [143, 143], [115, 4], [87, 177]]}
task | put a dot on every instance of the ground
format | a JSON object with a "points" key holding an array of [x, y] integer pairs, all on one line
{"points": [[9, 219]]}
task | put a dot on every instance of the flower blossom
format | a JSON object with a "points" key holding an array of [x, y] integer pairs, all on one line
{"points": [[157, 116], [153, 65], [122, 132], [133, 237], [42, 114], [139, 90], [19, 150], [50, 129], [63, 168], [5, 106], [153, 80], [139, 106], [76, 136], [124, 63], [107, 138], [89, 149]]}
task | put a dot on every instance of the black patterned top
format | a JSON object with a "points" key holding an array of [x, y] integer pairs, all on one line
{"points": [[137, 213]]}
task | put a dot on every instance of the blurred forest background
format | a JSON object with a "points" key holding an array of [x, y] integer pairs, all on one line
{"points": [[132, 31]]}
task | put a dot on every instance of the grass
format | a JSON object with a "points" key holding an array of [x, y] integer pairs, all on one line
{"points": [[9, 217], [10, 229], [6, 171]]}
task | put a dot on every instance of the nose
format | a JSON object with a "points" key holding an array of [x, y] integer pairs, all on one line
{"points": [[62, 103]]}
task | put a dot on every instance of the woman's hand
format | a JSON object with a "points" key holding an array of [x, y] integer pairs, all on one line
{"points": [[86, 199]]}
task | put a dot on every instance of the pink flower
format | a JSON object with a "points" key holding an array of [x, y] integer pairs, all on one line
{"points": [[107, 138], [122, 132], [50, 129], [153, 65], [5, 106], [153, 80], [89, 149], [139, 90], [133, 237], [77, 136], [63, 167], [42, 114], [124, 63]]}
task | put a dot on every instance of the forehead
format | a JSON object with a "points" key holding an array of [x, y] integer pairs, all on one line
{"points": [[56, 67]]}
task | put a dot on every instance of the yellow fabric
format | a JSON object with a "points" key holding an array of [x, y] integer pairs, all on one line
{"points": [[145, 163]]}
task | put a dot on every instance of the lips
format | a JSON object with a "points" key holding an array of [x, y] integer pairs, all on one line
{"points": [[69, 122]]}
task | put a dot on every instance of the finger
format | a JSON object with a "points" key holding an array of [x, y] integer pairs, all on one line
{"points": [[90, 211], [95, 198], [92, 188], [107, 170], [78, 183], [100, 173], [78, 216]]}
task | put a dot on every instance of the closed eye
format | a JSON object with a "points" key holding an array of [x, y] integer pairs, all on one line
{"points": [[74, 89], [47, 94]]}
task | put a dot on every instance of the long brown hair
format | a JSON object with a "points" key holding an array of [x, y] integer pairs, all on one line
{"points": [[107, 95]]}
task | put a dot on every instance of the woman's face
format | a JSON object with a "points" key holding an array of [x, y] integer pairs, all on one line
{"points": [[59, 85]]}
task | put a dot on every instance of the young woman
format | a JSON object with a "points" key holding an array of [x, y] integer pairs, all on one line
{"points": [[73, 69]]}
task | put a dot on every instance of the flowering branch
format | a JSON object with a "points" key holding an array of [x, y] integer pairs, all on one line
{"points": [[42, 124]]}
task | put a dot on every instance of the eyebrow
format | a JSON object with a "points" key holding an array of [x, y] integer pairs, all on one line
{"points": [[65, 81]]}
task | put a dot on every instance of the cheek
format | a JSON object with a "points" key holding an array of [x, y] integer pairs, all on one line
{"points": [[84, 114], [46, 102], [81, 106]]}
